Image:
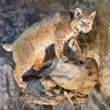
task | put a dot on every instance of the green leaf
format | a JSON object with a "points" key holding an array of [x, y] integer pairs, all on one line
{"points": [[21, 94]]}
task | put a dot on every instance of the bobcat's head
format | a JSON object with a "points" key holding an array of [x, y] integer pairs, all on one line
{"points": [[83, 22]]}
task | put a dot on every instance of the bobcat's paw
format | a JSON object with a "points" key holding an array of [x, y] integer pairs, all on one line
{"points": [[20, 82], [63, 59]]}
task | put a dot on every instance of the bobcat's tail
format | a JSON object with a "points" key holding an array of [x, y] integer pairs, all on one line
{"points": [[6, 46]]}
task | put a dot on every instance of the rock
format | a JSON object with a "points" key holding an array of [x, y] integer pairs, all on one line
{"points": [[66, 75], [46, 100], [8, 92], [59, 79], [9, 95], [48, 84], [76, 77], [51, 5]]}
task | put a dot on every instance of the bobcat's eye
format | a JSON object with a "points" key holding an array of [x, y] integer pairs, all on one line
{"points": [[82, 23]]}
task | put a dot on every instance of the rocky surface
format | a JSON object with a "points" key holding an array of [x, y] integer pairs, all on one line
{"points": [[76, 77], [17, 15], [9, 95], [74, 83]]}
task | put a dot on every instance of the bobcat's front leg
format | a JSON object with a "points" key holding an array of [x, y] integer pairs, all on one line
{"points": [[59, 45], [73, 44]]}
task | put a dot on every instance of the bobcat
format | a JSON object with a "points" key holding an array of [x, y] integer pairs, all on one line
{"points": [[59, 28]]}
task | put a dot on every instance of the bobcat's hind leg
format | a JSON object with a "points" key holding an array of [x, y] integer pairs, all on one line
{"points": [[19, 71], [23, 64], [38, 63], [24, 57]]}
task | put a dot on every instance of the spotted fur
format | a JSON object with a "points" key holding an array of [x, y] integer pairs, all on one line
{"points": [[57, 28]]}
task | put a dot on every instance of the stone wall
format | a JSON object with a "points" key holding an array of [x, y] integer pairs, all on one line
{"points": [[17, 15], [50, 6]]}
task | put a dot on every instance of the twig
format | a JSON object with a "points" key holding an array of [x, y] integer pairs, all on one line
{"points": [[69, 98]]}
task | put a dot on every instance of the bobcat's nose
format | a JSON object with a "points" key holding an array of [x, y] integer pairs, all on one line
{"points": [[91, 29]]}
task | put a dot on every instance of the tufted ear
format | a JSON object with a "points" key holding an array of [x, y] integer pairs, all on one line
{"points": [[92, 15], [78, 12]]}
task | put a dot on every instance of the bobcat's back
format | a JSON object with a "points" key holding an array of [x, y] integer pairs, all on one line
{"points": [[41, 34]]}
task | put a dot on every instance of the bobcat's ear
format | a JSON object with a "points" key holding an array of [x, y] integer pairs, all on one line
{"points": [[78, 12], [92, 15]]}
